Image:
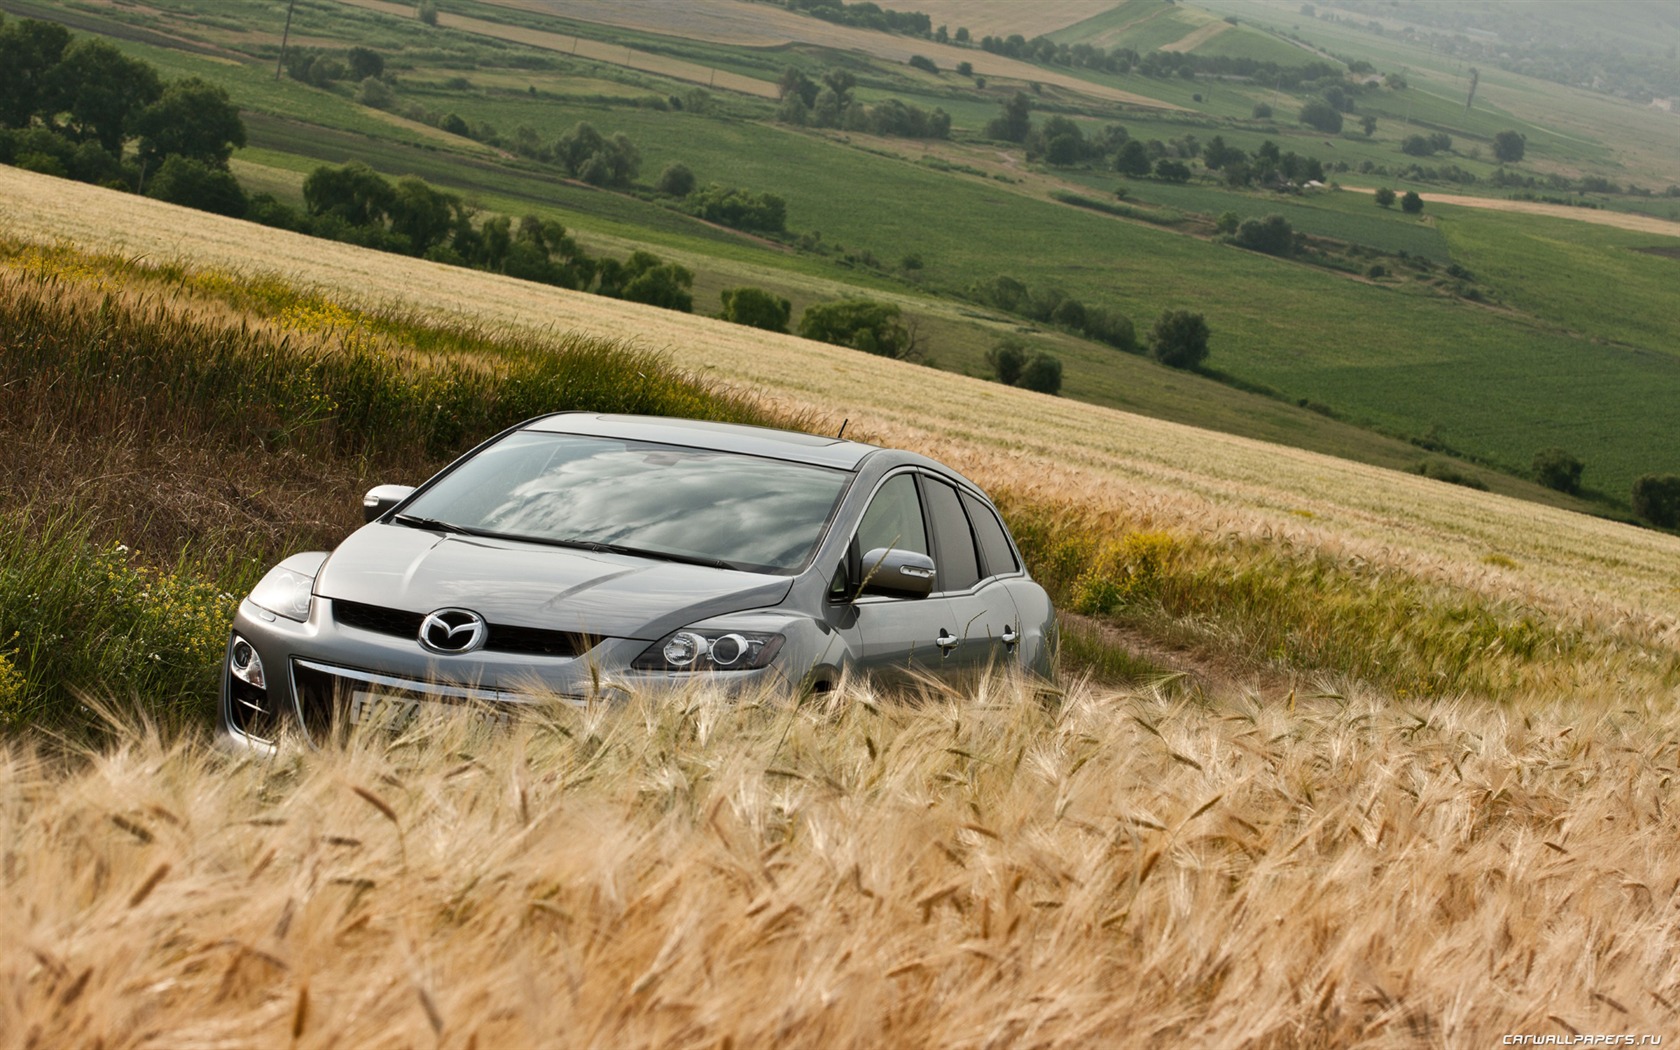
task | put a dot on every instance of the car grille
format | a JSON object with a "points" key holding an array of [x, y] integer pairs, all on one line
{"points": [[325, 693], [502, 638]]}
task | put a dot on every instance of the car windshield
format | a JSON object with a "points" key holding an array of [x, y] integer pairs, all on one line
{"points": [[685, 504]]}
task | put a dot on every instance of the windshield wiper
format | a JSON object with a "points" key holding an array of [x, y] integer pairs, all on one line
{"points": [[415, 521], [637, 552], [617, 548]]}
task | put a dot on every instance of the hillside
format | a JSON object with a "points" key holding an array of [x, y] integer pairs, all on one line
{"points": [[1381, 338]]}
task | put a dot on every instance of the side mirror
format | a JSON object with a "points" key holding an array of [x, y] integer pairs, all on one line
{"points": [[382, 498], [897, 573]]}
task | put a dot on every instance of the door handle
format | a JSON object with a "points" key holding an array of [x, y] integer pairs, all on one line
{"points": [[1009, 635], [946, 641]]}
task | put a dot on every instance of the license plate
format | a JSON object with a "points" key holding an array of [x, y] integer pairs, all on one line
{"points": [[398, 711]]}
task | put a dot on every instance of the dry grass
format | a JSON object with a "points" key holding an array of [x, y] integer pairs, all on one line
{"points": [[1121, 869], [1157, 474]]}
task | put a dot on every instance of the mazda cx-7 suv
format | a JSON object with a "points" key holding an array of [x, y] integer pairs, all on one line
{"points": [[585, 556]]}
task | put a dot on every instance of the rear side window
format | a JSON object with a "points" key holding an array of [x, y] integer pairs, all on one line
{"points": [[996, 555], [959, 567]]}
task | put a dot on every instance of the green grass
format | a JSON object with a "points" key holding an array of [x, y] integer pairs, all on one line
{"points": [[1548, 268]]}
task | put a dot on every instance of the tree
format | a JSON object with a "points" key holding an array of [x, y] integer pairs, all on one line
{"points": [[1043, 373], [1384, 197], [195, 184], [675, 181], [426, 11], [1557, 469], [1656, 498], [422, 214], [1133, 158], [1368, 124], [1509, 147], [365, 62], [862, 324], [1411, 203], [1262, 111], [1015, 121], [29, 50], [924, 63], [355, 193], [1007, 358], [1272, 235], [101, 89], [664, 285], [756, 308], [1216, 154], [1179, 339], [1319, 114], [193, 119], [597, 159], [1169, 170]]}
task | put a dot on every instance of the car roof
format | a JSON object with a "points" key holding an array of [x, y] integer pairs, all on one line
{"points": [[723, 437]]}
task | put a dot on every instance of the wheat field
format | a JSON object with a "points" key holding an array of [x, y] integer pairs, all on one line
{"points": [[1273, 859], [979, 871]]}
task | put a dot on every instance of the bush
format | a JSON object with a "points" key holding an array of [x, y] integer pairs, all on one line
{"points": [[1557, 469], [862, 324], [1262, 111], [1272, 235], [1319, 114], [1008, 358], [1656, 498], [1441, 470], [182, 180], [375, 93], [1179, 339], [1043, 373], [756, 308], [924, 63], [1411, 203], [1384, 197], [675, 181], [741, 209], [1509, 147], [427, 12]]}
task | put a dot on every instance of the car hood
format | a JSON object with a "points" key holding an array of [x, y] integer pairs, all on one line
{"points": [[531, 585]]}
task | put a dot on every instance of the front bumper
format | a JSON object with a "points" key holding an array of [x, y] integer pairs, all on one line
{"points": [[324, 674]]}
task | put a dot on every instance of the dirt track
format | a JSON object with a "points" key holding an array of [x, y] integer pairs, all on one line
{"points": [[1599, 216]]}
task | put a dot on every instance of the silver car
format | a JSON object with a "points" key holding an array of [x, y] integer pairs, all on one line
{"points": [[585, 556]]}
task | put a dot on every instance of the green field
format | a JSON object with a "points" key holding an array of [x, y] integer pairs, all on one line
{"points": [[1571, 338]]}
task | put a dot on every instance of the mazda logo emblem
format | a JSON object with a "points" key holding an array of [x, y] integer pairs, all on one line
{"points": [[453, 631]]}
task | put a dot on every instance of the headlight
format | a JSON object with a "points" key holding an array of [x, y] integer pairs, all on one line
{"points": [[284, 593], [693, 649]]}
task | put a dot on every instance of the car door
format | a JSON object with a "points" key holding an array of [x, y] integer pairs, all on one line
{"points": [[894, 639], [982, 619]]}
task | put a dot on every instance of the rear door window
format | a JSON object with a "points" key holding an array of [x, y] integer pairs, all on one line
{"points": [[954, 554]]}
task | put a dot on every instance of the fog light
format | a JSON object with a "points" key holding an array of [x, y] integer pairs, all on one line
{"points": [[684, 649], [246, 665]]}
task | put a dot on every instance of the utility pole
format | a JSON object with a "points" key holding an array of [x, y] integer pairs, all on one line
{"points": [[281, 61]]}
